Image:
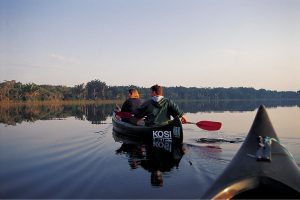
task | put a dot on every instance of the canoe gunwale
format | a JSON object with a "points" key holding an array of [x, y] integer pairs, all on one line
{"points": [[246, 185]]}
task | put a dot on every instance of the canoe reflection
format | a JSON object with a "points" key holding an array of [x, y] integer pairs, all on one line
{"points": [[156, 157]]}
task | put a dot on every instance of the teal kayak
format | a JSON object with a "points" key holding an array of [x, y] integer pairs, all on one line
{"points": [[262, 168]]}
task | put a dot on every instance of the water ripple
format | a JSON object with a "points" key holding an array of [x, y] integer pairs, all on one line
{"points": [[56, 170]]}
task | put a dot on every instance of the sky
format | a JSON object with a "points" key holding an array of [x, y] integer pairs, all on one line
{"points": [[190, 43]]}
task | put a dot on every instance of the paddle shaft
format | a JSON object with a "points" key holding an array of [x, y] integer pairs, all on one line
{"points": [[191, 123]]}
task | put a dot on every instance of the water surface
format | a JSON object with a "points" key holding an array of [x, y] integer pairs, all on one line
{"points": [[71, 151]]}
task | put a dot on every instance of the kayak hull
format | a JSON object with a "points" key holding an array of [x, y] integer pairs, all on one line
{"points": [[262, 168], [170, 132]]}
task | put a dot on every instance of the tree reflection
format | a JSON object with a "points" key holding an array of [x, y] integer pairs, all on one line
{"points": [[234, 105], [12, 115], [27, 113]]}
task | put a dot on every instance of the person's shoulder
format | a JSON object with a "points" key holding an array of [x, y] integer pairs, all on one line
{"points": [[168, 100], [141, 101], [137, 101], [148, 101], [127, 101]]}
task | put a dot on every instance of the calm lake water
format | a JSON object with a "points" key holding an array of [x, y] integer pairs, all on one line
{"points": [[71, 151]]}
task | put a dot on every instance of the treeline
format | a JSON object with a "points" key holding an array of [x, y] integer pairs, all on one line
{"points": [[98, 90], [93, 90]]}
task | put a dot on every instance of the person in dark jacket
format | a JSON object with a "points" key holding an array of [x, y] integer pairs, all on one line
{"points": [[158, 110], [131, 103]]}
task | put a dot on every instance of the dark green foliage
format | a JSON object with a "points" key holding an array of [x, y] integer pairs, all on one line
{"points": [[98, 90]]}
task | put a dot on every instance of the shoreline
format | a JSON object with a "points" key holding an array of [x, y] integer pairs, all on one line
{"points": [[101, 102], [60, 102]]}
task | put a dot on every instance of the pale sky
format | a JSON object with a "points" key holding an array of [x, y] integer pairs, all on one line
{"points": [[191, 43]]}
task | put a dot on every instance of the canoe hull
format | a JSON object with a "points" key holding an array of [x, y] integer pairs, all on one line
{"points": [[259, 169], [171, 132]]}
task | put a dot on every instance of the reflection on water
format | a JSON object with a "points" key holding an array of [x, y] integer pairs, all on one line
{"points": [[49, 159], [221, 106], [157, 158], [12, 115], [18, 114], [79, 157]]}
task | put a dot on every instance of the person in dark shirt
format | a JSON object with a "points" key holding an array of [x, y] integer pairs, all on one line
{"points": [[131, 103], [158, 110]]}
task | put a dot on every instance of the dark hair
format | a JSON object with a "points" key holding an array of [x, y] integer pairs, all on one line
{"points": [[131, 90], [157, 89]]}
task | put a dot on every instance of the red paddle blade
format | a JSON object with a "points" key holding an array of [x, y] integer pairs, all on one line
{"points": [[209, 125], [124, 114]]}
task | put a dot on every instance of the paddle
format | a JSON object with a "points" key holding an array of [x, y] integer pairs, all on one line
{"points": [[124, 114], [205, 125]]}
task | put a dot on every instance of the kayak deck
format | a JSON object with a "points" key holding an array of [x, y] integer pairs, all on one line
{"points": [[262, 168]]}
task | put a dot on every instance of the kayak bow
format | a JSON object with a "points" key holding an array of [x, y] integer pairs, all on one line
{"points": [[262, 168]]}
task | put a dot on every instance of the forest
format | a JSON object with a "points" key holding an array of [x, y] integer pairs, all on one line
{"points": [[99, 90]]}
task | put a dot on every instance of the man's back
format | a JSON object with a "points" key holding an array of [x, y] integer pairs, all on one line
{"points": [[158, 112]]}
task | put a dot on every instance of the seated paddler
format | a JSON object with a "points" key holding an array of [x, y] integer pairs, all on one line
{"points": [[132, 102], [158, 110]]}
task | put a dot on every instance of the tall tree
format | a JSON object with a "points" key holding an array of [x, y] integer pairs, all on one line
{"points": [[96, 89]]}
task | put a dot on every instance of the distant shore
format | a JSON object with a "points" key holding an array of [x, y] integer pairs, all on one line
{"points": [[60, 102], [120, 101]]}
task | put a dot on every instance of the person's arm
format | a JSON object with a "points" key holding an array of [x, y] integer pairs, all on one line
{"points": [[140, 111], [183, 119], [126, 106], [175, 111]]}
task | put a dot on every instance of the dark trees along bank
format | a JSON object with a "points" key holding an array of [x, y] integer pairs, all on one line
{"points": [[98, 90]]}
